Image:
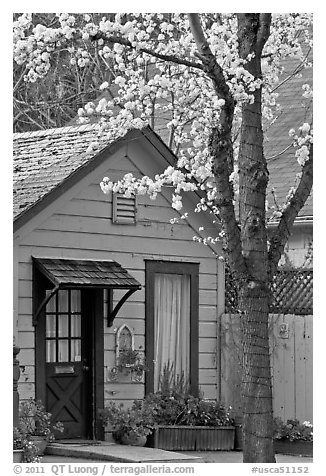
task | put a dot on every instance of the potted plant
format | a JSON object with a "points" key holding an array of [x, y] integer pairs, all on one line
{"points": [[35, 423], [24, 450], [130, 359], [292, 437], [130, 426], [18, 446], [186, 422]]}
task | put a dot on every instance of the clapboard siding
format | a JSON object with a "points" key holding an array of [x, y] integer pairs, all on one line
{"points": [[81, 227], [207, 329], [207, 361], [291, 365], [127, 258], [103, 226], [157, 246], [207, 313]]}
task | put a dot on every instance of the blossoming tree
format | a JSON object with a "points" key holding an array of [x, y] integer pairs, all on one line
{"points": [[210, 81]]}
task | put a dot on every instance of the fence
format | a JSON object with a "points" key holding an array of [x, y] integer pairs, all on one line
{"points": [[291, 364], [291, 292]]}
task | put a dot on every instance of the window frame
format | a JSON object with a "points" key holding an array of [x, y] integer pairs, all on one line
{"points": [[181, 268], [69, 338]]}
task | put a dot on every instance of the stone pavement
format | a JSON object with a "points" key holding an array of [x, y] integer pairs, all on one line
{"points": [[107, 451]]}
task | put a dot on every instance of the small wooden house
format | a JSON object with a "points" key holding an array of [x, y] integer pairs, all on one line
{"points": [[97, 276]]}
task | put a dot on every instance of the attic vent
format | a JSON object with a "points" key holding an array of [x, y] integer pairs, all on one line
{"points": [[124, 209]]}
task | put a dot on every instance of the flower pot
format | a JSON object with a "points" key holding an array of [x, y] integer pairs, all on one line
{"points": [[18, 456], [193, 438], [296, 448], [40, 443]]}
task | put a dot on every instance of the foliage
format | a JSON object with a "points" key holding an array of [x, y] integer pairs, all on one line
{"points": [[133, 422], [292, 430], [173, 404], [186, 410], [34, 420], [171, 381], [21, 442], [131, 359]]}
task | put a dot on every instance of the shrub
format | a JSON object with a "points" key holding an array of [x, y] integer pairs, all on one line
{"points": [[35, 420], [292, 430], [131, 422]]}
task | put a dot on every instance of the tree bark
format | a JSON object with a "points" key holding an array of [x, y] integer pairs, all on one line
{"points": [[256, 386]]}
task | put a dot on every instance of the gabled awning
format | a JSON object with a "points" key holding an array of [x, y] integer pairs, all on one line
{"points": [[76, 273]]}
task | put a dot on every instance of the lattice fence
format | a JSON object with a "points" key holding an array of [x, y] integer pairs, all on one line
{"points": [[291, 292]]}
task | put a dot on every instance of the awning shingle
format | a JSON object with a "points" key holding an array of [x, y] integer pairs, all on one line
{"points": [[86, 273]]}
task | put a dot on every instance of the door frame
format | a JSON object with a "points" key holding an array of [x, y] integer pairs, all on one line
{"points": [[172, 267], [95, 390]]}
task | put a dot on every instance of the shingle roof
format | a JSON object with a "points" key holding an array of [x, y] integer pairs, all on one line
{"points": [[280, 155], [43, 159], [86, 273]]}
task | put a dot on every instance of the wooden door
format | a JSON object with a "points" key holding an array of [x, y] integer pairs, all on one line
{"points": [[68, 362]]}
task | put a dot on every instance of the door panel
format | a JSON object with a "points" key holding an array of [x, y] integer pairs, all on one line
{"points": [[65, 393]]}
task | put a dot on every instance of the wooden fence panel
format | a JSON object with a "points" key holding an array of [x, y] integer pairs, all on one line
{"points": [[300, 367], [291, 364], [309, 367]]}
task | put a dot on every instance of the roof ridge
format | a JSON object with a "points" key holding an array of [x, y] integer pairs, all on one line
{"points": [[54, 131]]}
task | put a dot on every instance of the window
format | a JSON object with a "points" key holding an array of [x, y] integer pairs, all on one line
{"points": [[63, 327], [171, 321], [171, 324], [124, 209]]}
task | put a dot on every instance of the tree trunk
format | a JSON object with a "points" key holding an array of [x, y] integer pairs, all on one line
{"points": [[256, 388]]}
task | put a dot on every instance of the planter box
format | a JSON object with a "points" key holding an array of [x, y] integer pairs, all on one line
{"points": [[193, 438], [299, 447]]}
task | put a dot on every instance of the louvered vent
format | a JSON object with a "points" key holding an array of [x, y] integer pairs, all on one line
{"points": [[124, 209]]}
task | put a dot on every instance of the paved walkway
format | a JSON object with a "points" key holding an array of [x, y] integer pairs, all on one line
{"points": [[105, 451]]}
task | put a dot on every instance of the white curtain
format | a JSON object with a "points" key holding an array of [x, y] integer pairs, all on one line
{"points": [[171, 324]]}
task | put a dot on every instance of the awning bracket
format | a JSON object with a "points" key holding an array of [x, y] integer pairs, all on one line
{"points": [[115, 311], [44, 303]]}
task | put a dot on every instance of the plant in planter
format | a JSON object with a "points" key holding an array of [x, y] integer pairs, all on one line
{"points": [[130, 426], [24, 450], [188, 422], [130, 359], [35, 423], [293, 437]]}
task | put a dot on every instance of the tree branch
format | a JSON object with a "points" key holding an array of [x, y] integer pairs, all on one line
{"points": [[297, 201], [221, 149], [265, 20], [123, 41], [210, 65]]}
